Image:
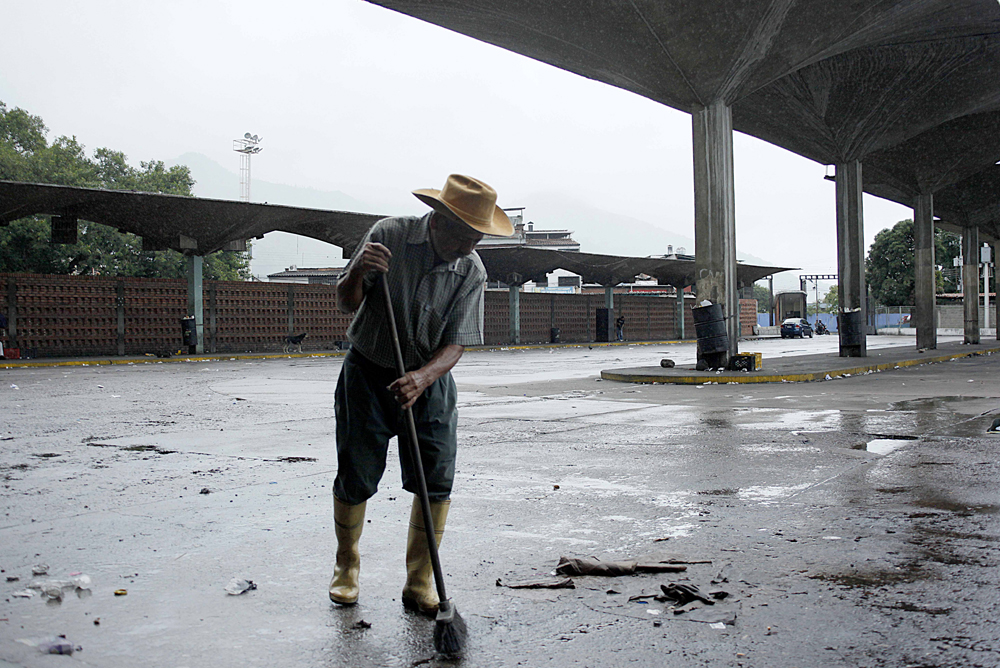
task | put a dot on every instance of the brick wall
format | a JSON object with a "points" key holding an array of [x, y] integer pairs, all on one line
{"points": [[59, 316], [748, 316]]}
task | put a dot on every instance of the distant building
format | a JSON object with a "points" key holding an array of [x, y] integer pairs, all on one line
{"points": [[308, 275], [525, 234]]}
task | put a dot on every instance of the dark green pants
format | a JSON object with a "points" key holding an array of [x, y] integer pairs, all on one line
{"points": [[368, 415]]}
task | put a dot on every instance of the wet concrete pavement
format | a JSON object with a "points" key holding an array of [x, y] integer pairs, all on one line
{"points": [[854, 521]]}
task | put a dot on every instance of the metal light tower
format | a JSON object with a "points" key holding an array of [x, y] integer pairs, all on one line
{"points": [[249, 145]]}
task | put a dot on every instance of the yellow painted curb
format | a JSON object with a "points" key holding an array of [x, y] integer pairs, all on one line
{"points": [[14, 364], [215, 357], [745, 377]]}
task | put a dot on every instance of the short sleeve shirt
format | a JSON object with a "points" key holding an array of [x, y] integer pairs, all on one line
{"points": [[436, 303]]}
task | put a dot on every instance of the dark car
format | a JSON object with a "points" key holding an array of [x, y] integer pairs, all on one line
{"points": [[793, 327]]}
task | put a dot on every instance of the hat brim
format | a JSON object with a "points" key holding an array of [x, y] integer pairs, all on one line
{"points": [[499, 225]]}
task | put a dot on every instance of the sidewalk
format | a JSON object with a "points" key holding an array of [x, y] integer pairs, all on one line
{"points": [[806, 367]]}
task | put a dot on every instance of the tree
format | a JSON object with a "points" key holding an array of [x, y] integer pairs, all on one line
{"points": [[890, 263], [26, 155], [831, 300], [763, 297]]}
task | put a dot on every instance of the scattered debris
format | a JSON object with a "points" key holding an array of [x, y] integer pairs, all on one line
{"points": [[238, 586], [296, 460], [24, 593], [121, 592], [361, 625], [682, 594], [594, 566], [555, 487], [51, 645], [97, 621], [40, 569], [667, 363], [12, 578], [205, 490], [542, 583]]}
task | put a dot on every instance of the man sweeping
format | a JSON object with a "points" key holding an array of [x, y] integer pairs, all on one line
{"points": [[436, 285]]}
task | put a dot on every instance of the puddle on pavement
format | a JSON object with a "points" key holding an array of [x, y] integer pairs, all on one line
{"points": [[944, 503], [883, 446], [871, 579], [930, 403]]}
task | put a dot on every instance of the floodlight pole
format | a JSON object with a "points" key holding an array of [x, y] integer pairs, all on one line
{"points": [[246, 147]]}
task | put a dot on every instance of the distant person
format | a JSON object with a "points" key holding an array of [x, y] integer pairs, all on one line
{"points": [[620, 328], [436, 282]]}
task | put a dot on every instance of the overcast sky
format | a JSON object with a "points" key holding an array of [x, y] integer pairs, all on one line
{"points": [[352, 97]]}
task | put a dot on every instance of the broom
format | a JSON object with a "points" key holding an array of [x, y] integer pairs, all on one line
{"points": [[449, 629]]}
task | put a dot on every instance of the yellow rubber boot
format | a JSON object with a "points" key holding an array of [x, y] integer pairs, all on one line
{"points": [[420, 593], [348, 521]]}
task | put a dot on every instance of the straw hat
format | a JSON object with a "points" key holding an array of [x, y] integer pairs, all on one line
{"points": [[471, 201]]}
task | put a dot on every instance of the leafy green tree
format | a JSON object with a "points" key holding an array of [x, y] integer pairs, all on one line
{"points": [[26, 155], [763, 297], [831, 300], [890, 263]]}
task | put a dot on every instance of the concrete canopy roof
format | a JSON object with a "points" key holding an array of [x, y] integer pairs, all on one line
{"points": [[188, 224], [532, 264], [831, 81], [686, 53]]}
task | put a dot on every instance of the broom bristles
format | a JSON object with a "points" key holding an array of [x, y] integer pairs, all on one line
{"points": [[450, 632]]}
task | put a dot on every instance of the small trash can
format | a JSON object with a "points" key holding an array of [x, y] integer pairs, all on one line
{"points": [[849, 325], [189, 331], [602, 328], [554, 335], [710, 328]]}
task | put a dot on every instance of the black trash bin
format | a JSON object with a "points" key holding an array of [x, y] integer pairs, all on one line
{"points": [[850, 326], [554, 335], [710, 328], [713, 339], [189, 332], [602, 330]]}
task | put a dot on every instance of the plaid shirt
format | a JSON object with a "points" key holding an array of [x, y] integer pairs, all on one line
{"points": [[436, 303]]}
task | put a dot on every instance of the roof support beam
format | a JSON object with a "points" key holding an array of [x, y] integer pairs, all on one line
{"points": [[970, 282], [851, 260], [924, 269], [715, 213], [195, 267]]}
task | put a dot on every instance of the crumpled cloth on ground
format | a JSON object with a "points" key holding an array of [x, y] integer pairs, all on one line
{"points": [[594, 566], [541, 583]]}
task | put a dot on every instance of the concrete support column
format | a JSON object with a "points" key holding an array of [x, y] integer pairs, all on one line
{"points": [[680, 313], [851, 257], [970, 281], [609, 297], [514, 281], [924, 269], [195, 267], [715, 213]]}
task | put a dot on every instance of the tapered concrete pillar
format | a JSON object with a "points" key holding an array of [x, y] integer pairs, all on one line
{"points": [[680, 313], [609, 297], [195, 268], [924, 270], [970, 281], [515, 281], [715, 214], [851, 261]]}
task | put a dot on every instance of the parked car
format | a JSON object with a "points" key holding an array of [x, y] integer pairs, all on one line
{"points": [[793, 327]]}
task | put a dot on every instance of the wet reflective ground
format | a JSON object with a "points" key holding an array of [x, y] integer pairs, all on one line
{"points": [[853, 522]]}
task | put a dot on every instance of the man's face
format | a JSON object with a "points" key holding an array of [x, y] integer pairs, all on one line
{"points": [[452, 238]]}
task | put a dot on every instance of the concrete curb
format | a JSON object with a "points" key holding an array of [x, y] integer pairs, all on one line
{"points": [[741, 377], [217, 357]]}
